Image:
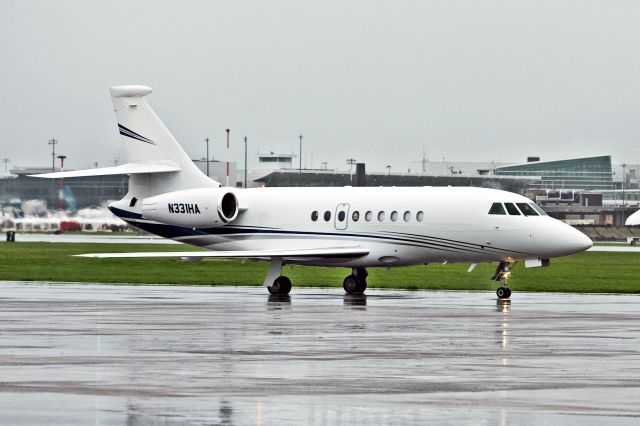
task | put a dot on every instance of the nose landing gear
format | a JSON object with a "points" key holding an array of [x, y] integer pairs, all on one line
{"points": [[503, 292], [503, 272]]}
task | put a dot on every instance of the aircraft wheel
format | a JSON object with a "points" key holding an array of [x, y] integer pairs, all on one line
{"points": [[362, 285], [353, 285], [281, 285], [503, 292]]}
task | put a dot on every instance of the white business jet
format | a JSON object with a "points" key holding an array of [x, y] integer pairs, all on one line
{"points": [[346, 227]]}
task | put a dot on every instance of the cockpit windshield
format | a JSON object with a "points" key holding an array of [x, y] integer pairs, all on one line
{"points": [[496, 208], [526, 209], [512, 209], [538, 209]]}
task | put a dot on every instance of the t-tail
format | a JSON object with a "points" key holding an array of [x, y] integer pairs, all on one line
{"points": [[154, 160]]}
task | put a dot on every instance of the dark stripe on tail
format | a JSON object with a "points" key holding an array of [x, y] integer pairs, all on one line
{"points": [[133, 135]]}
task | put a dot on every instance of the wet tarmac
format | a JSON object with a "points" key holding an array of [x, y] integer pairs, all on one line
{"points": [[141, 355]]}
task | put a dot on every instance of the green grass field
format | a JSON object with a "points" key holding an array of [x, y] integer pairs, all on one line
{"points": [[581, 273]]}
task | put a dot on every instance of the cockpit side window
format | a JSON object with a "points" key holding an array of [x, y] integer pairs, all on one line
{"points": [[497, 208], [538, 209], [512, 209], [527, 210]]}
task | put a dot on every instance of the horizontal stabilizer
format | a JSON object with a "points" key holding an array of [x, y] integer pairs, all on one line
{"points": [[123, 169], [330, 252]]}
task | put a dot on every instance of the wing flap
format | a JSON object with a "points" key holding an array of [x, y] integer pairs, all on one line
{"points": [[123, 169], [330, 252]]}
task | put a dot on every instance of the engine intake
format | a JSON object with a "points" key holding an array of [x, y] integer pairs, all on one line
{"points": [[228, 207]]}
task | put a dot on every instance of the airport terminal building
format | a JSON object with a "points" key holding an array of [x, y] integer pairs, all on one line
{"points": [[590, 173]]}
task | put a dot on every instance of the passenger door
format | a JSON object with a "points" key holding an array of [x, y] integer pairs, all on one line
{"points": [[342, 216]]}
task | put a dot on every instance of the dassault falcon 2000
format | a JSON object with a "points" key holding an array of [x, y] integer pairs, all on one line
{"points": [[350, 227]]}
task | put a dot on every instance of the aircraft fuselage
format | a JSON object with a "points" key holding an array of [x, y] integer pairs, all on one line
{"points": [[399, 225]]}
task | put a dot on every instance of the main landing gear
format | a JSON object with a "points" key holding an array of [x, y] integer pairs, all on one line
{"points": [[275, 282], [503, 272], [278, 284], [356, 283], [281, 285]]}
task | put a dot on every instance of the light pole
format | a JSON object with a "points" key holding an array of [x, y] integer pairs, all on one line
{"points": [[245, 162], [6, 163], [61, 193], [53, 142], [300, 169], [228, 132], [351, 162], [388, 166], [207, 142]]}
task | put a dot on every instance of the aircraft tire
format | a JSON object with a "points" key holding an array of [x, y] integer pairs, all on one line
{"points": [[281, 285], [352, 285], [503, 293], [362, 285]]}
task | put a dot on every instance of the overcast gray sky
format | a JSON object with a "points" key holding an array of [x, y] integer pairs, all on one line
{"points": [[374, 80]]}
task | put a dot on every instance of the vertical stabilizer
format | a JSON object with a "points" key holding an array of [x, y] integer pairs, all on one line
{"points": [[147, 141]]}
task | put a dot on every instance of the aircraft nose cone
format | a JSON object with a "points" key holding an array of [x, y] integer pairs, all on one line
{"points": [[580, 241], [555, 239]]}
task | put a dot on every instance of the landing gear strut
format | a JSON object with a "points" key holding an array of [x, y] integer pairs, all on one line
{"points": [[503, 272], [356, 283], [275, 282]]}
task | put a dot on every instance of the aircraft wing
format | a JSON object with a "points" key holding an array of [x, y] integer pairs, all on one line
{"points": [[123, 169], [331, 252]]}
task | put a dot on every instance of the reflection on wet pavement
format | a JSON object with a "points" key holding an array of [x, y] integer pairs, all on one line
{"points": [[137, 355]]}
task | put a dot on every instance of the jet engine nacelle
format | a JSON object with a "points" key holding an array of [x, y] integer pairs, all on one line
{"points": [[202, 207]]}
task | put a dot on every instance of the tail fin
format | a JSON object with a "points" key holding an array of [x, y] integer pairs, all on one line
{"points": [[155, 162], [147, 141]]}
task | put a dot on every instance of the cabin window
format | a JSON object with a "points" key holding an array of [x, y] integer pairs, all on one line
{"points": [[314, 215], [526, 209], [512, 209], [355, 216], [368, 216], [341, 216], [538, 209], [327, 216], [419, 216], [407, 216], [394, 216], [496, 208], [380, 216]]}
